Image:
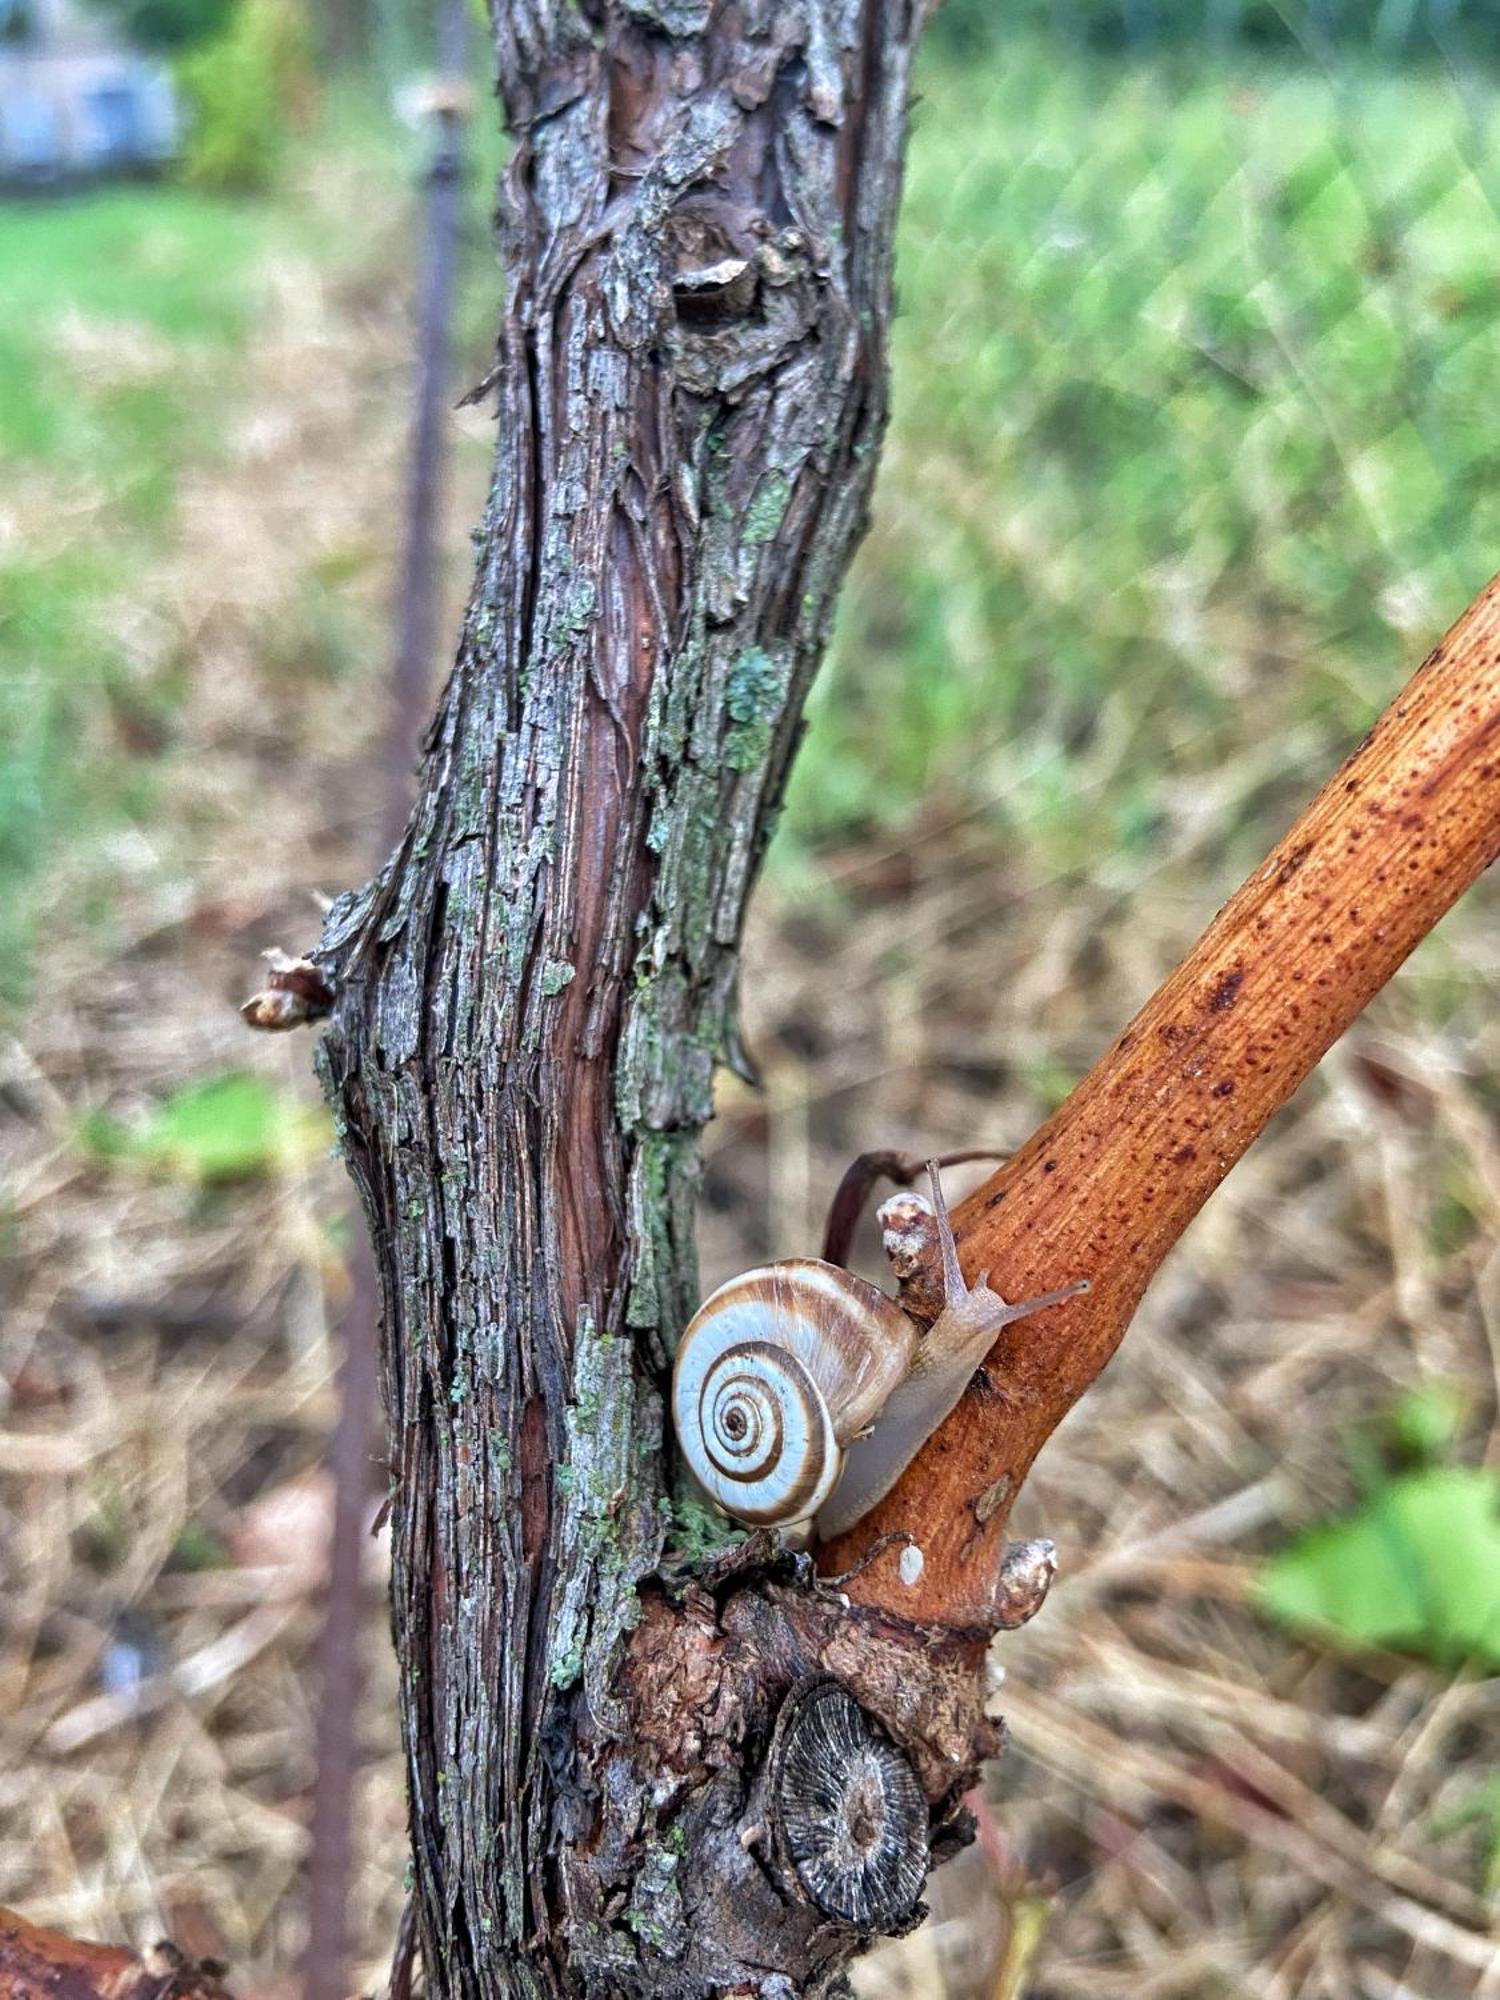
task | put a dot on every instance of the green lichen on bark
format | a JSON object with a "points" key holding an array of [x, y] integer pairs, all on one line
{"points": [[697, 1532], [655, 1910], [534, 994], [609, 1521]]}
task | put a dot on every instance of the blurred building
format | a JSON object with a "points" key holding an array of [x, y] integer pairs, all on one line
{"points": [[75, 97]]}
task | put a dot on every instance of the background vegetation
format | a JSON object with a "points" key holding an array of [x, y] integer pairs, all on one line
{"points": [[1192, 458]]}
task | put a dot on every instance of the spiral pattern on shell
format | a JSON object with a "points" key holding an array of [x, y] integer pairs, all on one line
{"points": [[778, 1369], [767, 1442]]}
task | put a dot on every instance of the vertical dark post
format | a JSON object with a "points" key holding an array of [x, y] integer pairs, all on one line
{"points": [[411, 685], [353, 1444], [346, 32]]}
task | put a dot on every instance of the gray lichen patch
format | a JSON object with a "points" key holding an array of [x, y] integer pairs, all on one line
{"points": [[698, 1531], [660, 1197], [655, 1911], [755, 697], [606, 1523], [764, 514]]}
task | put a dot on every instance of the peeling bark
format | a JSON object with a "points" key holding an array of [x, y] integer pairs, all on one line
{"points": [[37, 1964], [696, 223]]}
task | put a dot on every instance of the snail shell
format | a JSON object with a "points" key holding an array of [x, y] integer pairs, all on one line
{"points": [[778, 1370]]}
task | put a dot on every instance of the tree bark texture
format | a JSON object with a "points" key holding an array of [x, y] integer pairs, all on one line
{"points": [[613, 1751]]}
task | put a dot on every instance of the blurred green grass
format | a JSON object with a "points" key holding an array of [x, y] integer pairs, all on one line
{"points": [[119, 315], [1191, 383], [1192, 378], [126, 316]]}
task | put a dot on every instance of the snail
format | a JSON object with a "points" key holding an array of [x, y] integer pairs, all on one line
{"points": [[801, 1392]]}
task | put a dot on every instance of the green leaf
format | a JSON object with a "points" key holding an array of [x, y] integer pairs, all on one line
{"points": [[1425, 1421], [229, 1127], [1417, 1568]]}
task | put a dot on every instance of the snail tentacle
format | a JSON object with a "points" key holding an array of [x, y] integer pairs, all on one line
{"points": [[941, 1370], [800, 1390]]}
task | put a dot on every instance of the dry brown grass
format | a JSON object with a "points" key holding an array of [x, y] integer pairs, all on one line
{"points": [[1193, 1805]]}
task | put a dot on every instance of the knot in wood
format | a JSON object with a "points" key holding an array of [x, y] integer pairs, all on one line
{"points": [[849, 1812], [711, 248]]}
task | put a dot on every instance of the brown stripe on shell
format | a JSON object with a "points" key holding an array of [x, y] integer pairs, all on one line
{"points": [[861, 1342], [749, 1355]]}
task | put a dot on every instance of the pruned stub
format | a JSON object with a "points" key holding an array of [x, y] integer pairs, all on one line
{"points": [[860, 1737], [849, 1816]]}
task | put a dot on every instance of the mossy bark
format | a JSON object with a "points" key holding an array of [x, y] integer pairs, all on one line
{"points": [[696, 225]]}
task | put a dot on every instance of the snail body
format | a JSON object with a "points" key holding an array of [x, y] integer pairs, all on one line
{"points": [[801, 1392]]}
